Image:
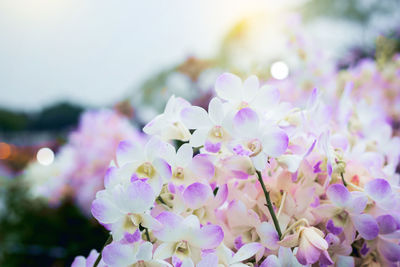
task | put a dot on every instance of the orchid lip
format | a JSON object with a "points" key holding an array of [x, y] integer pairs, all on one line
{"points": [[146, 170], [255, 147], [179, 173]]}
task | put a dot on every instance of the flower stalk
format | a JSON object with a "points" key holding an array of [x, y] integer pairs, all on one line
{"points": [[269, 205], [108, 241]]}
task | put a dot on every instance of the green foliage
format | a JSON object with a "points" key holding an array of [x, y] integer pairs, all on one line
{"points": [[12, 121], [56, 117], [354, 10], [34, 234]]}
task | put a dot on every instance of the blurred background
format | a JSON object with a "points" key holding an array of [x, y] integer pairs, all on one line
{"points": [[77, 77]]}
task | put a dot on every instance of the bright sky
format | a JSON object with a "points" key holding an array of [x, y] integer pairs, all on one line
{"points": [[95, 51]]}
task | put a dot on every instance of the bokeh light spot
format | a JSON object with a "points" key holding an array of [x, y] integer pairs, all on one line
{"points": [[5, 150], [279, 70], [45, 156]]}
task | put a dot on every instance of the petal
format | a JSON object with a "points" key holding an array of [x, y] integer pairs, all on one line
{"points": [[155, 125], [378, 189], [268, 235], [164, 251], [195, 117], [198, 137], [208, 237], [153, 147], [339, 195], [140, 197], [287, 258], [132, 238], [290, 162], [357, 203], [110, 177], [187, 262], [191, 223], [196, 195], [212, 147], [241, 166], [170, 106], [245, 122], [149, 222], [105, 211], [260, 161], [158, 263], [387, 224], [246, 251], [79, 261], [366, 226], [271, 261], [145, 252], [171, 224], [91, 259], [202, 167], [389, 250], [174, 105], [209, 260], [184, 155], [128, 152], [330, 226], [315, 237], [275, 142], [162, 168], [117, 254], [228, 87], [216, 111], [250, 87], [168, 152], [222, 195], [325, 259], [266, 97], [307, 253]]}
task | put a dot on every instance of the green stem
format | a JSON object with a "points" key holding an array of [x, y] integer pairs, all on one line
{"points": [[146, 231], [343, 180], [269, 205], [109, 240], [159, 198]]}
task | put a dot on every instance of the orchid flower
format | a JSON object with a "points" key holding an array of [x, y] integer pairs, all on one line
{"points": [[81, 261], [285, 258], [184, 238], [138, 163], [135, 253], [124, 209], [255, 140], [185, 168], [169, 125], [347, 212], [227, 258], [210, 128], [239, 95]]}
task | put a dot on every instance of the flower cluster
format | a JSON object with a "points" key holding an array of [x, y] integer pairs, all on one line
{"points": [[254, 181], [81, 164]]}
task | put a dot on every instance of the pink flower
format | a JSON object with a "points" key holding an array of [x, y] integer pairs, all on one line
{"points": [[312, 246], [184, 238]]}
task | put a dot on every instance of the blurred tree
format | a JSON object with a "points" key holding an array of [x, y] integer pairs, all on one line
{"points": [[34, 234], [56, 117], [359, 11], [12, 121]]}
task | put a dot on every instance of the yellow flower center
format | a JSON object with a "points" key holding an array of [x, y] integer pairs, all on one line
{"points": [[146, 170], [254, 146], [178, 173]]}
